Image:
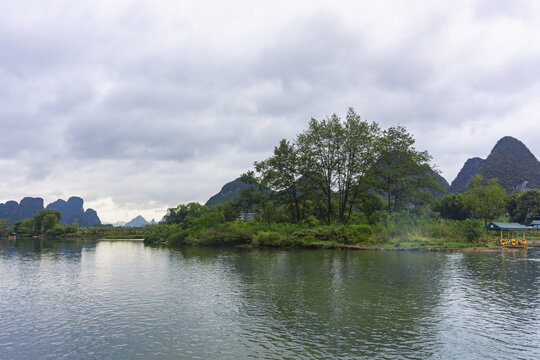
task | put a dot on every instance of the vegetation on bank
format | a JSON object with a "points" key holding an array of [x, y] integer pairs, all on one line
{"points": [[391, 230], [340, 183], [344, 184], [45, 223]]}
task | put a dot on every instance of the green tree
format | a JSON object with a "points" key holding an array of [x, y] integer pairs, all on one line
{"points": [[24, 227], [452, 206], [320, 147], [45, 220], [178, 214], [403, 173], [357, 158], [523, 207], [4, 226], [280, 173], [49, 221], [486, 200]]}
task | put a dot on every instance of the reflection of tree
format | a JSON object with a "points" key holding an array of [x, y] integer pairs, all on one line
{"points": [[338, 300], [39, 247]]}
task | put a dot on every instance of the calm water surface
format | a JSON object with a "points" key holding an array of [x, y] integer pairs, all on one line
{"points": [[123, 300]]}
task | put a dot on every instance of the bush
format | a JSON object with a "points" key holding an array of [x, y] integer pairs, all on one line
{"points": [[358, 233], [222, 236], [56, 230], [311, 221], [471, 229], [267, 238]]}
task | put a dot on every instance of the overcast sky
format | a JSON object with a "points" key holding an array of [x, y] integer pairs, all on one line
{"points": [[141, 105]]}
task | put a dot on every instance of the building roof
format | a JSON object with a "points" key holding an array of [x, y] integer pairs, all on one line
{"points": [[506, 226], [535, 223]]}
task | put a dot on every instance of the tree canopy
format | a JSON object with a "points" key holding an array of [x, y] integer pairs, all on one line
{"points": [[335, 165]]}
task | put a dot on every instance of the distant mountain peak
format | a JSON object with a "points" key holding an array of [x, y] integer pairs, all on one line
{"points": [[138, 221], [510, 161]]}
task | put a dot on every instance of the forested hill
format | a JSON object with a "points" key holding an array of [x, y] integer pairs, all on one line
{"points": [[229, 191], [510, 161]]}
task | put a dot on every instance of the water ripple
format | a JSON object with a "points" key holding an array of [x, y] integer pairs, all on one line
{"points": [[121, 300]]}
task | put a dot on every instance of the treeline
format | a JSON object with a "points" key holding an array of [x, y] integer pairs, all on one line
{"points": [[486, 200], [341, 182], [44, 222]]}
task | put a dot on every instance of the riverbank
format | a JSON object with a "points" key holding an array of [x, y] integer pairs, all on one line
{"points": [[423, 236]]}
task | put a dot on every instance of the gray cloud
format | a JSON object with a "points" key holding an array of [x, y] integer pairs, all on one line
{"points": [[139, 106]]}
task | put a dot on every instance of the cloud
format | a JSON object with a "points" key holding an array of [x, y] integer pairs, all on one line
{"points": [[137, 106]]}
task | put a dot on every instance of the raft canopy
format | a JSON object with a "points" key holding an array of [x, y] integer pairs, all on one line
{"points": [[506, 226]]}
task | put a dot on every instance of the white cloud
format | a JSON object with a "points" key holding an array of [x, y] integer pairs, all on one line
{"points": [[137, 106]]}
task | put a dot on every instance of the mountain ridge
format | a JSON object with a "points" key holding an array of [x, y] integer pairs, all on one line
{"points": [[510, 161], [71, 210]]}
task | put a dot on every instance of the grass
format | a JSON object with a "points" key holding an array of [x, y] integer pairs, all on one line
{"points": [[123, 237]]}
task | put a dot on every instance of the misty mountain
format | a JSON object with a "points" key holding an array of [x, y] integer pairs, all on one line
{"points": [[510, 161], [139, 221], [27, 208], [71, 210]]}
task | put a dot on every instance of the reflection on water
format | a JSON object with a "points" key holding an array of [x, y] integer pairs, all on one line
{"points": [[80, 299]]}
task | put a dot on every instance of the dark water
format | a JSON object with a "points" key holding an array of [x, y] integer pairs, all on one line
{"points": [[122, 300]]}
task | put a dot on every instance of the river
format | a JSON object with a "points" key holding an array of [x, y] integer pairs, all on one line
{"points": [[125, 300]]}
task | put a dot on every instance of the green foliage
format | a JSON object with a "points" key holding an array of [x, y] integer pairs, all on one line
{"points": [[222, 236], [402, 172], [268, 238], [453, 206], [361, 233], [486, 200], [4, 226], [472, 229], [281, 173], [56, 230], [24, 227], [178, 214], [522, 208], [339, 184], [45, 220], [334, 170], [230, 210]]}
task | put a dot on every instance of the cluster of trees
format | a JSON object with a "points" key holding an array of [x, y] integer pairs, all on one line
{"points": [[488, 201], [523, 207], [345, 181], [338, 168], [44, 222], [483, 199]]}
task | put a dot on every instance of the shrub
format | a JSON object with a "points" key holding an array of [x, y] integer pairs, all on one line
{"points": [[268, 238], [311, 221], [358, 233], [56, 230], [471, 229], [223, 236]]}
